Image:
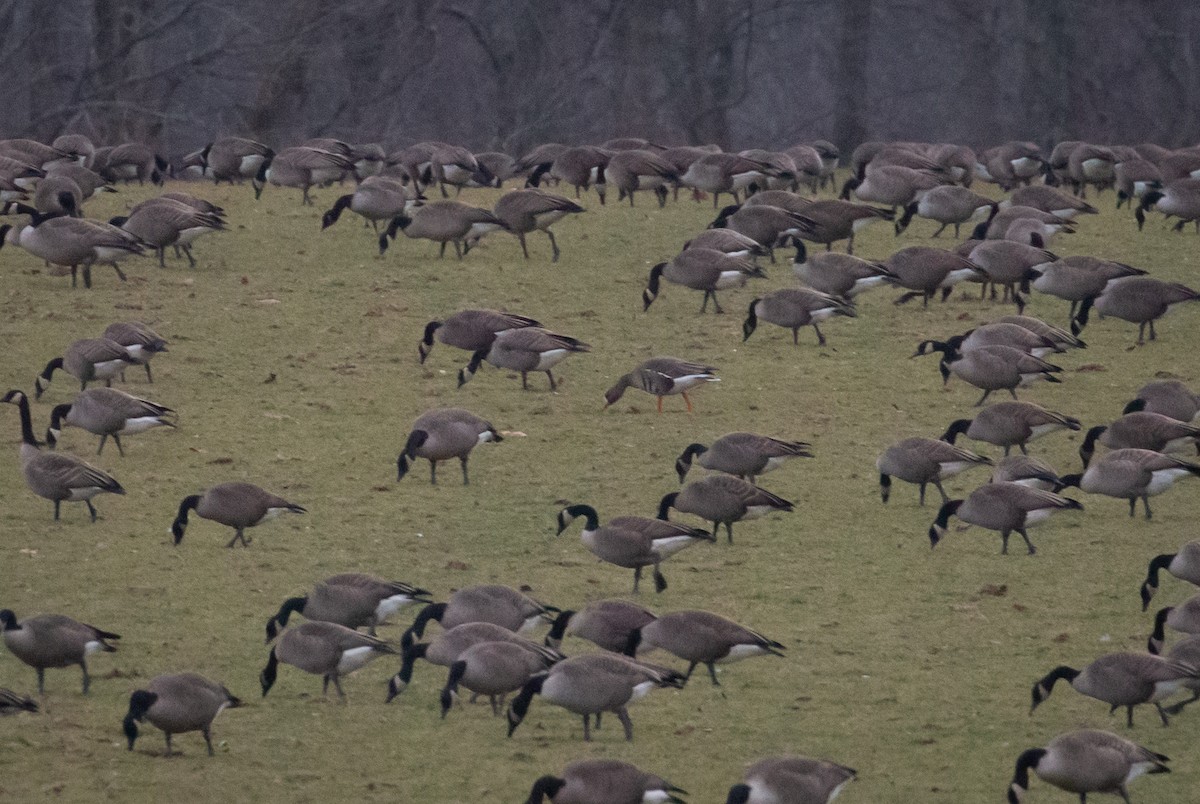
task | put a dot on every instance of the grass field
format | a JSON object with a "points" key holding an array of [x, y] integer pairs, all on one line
{"points": [[900, 663]]}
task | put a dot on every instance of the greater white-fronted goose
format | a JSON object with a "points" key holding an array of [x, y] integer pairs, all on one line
{"points": [[663, 376]]}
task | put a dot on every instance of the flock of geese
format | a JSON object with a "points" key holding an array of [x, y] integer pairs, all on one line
{"points": [[481, 643]]}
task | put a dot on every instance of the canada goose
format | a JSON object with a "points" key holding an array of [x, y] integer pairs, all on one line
{"points": [[995, 368], [78, 146], [107, 412], [1060, 336], [352, 599], [33, 152], [1180, 198], [1006, 507], [73, 243], [785, 174], [609, 780], [233, 159], [632, 542], [1010, 164], [55, 476], [791, 778], [1168, 397], [1090, 164], [783, 199], [723, 499], [793, 308], [1050, 200], [579, 167], [1056, 166], [167, 222], [11, 703], [87, 360], [447, 646], [236, 505], [735, 244], [1000, 334], [663, 376], [442, 434], [746, 455], [633, 170], [377, 198], [830, 156], [718, 173], [1027, 471], [443, 222], [1086, 761], [1011, 424], [325, 649], [605, 623], [810, 167], [539, 158], [1078, 278], [590, 685], [488, 603], [471, 330], [52, 193], [1184, 565], [1181, 164], [51, 641], [1122, 679], [1010, 265], [891, 186], [1141, 430], [701, 637], [176, 704], [1184, 618], [495, 669], [1135, 177], [923, 461], [703, 269], [525, 349], [762, 223], [89, 182], [453, 165], [300, 167], [997, 228], [130, 161], [924, 270], [502, 166], [829, 220], [1128, 474], [1185, 651], [141, 342], [837, 274], [525, 211], [1139, 300], [948, 204]]}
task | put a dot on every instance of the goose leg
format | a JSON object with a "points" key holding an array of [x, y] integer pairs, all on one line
{"points": [[87, 275], [660, 581], [1004, 542], [553, 245], [1024, 451], [524, 248], [1146, 504], [1013, 392], [463, 461], [149, 377], [921, 498], [716, 304], [56, 507], [1153, 334], [637, 577], [553, 384], [1129, 717], [660, 404], [729, 531], [458, 250], [687, 401], [191, 260], [623, 716], [87, 679], [795, 336], [1141, 332], [1132, 506], [937, 484], [986, 394], [1028, 543], [103, 438], [207, 732], [162, 256], [1162, 714], [704, 304], [587, 732], [688, 675], [337, 685], [324, 686], [712, 673], [442, 251], [433, 473], [942, 228], [820, 337], [116, 440], [91, 509], [524, 381], [171, 750]]}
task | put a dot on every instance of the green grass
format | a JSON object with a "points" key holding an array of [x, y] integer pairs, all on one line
{"points": [[898, 664]]}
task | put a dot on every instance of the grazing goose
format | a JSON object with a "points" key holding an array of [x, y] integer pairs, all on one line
{"points": [[703, 269], [723, 499], [1051, 200], [162, 222], [735, 244], [73, 243], [633, 170], [377, 198], [89, 182], [793, 308], [525, 211], [11, 703], [1010, 264], [233, 159], [58, 195], [1027, 471], [605, 623], [1079, 278], [1090, 164], [924, 270], [352, 599], [765, 225], [442, 434], [1136, 177], [328, 650], [301, 167], [718, 173], [1184, 565], [1122, 679], [994, 368], [663, 376], [236, 505], [443, 222], [129, 162], [587, 781], [107, 412], [33, 152], [87, 360], [591, 685], [949, 205], [786, 176], [1141, 430], [746, 455], [891, 185], [1184, 618], [471, 330], [500, 165], [1048, 224], [1168, 397], [701, 637], [810, 167], [1185, 651], [791, 778], [449, 645], [525, 349], [1180, 198], [1139, 300], [1006, 507], [539, 158], [1060, 336], [495, 669], [55, 476], [1086, 761], [923, 461], [632, 542], [1128, 474], [141, 342], [52, 641], [487, 603], [579, 167], [1011, 164], [837, 274], [829, 220], [782, 199], [1011, 335], [178, 703], [1010, 424]]}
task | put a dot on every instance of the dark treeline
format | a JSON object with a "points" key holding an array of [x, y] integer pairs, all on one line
{"points": [[506, 74]]}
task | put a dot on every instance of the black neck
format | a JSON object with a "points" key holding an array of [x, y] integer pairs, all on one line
{"points": [[22, 402], [430, 328], [593, 519], [956, 428], [546, 787], [434, 611], [559, 627], [665, 505]]}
